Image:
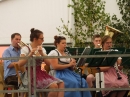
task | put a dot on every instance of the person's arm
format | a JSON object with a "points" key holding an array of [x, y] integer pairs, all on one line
{"points": [[8, 63], [119, 61], [11, 65], [57, 66], [46, 60], [43, 66], [42, 52], [104, 69], [120, 67], [25, 53], [22, 62]]}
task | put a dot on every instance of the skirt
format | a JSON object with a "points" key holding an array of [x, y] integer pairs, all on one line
{"points": [[111, 80], [43, 79], [72, 80]]}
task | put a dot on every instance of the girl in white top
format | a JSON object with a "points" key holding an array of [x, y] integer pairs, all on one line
{"points": [[43, 80]]}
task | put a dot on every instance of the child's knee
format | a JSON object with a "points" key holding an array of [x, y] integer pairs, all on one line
{"points": [[90, 77]]}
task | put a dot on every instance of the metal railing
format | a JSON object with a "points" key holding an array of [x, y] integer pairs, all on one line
{"points": [[65, 89]]}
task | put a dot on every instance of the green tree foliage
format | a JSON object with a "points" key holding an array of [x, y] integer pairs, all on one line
{"points": [[123, 24], [90, 18]]}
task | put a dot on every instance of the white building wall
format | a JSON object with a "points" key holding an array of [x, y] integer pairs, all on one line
{"points": [[22, 15], [112, 8], [45, 15]]}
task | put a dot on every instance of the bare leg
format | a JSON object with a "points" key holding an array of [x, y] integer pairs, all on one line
{"points": [[61, 85], [53, 94], [90, 78], [22, 94], [114, 94], [121, 93]]}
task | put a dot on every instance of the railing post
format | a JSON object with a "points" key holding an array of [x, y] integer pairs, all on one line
{"points": [[29, 78], [34, 76]]}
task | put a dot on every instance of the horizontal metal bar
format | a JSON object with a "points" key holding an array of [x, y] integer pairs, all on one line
{"points": [[80, 89], [78, 56], [65, 89], [12, 91]]}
